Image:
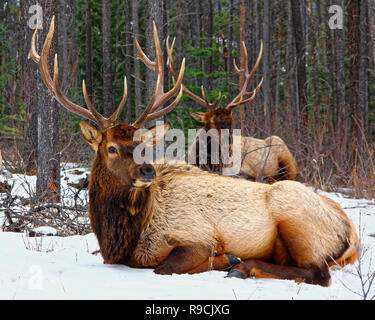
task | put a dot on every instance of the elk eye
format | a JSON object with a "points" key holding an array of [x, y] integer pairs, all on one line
{"points": [[112, 149]]}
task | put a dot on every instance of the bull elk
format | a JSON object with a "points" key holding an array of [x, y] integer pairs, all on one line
{"points": [[268, 159], [181, 219]]}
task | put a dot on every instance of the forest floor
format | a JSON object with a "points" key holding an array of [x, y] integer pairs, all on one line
{"points": [[56, 267]]}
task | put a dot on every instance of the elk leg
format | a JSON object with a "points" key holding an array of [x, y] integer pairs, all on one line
{"points": [[194, 259], [182, 259], [260, 269]]}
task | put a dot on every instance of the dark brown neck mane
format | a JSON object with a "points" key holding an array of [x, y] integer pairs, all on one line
{"points": [[209, 166], [118, 214]]}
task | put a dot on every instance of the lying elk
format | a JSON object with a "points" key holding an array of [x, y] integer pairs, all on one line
{"points": [[174, 217], [261, 159]]}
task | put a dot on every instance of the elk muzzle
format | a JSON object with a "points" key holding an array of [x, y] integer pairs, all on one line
{"points": [[144, 175]]}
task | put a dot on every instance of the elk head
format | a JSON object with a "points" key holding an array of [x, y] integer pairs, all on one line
{"points": [[114, 150], [220, 117], [113, 143]]}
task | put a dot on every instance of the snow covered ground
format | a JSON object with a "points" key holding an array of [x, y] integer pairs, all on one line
{"points": [[52, 267]]}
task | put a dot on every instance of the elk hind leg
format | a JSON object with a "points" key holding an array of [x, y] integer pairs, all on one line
{"points": [[259, 269], [182, 259], [288, 168]]}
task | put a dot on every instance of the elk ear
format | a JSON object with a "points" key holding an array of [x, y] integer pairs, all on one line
{"points": [[92, 135], [199, 116], [155, 134]]}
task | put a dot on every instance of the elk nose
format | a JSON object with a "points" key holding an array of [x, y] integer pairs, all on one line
{"points": [[147, 172]]}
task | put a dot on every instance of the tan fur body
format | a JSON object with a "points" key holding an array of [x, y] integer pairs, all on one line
{"points": [[262, 158], [265, 158], [244, 218]]}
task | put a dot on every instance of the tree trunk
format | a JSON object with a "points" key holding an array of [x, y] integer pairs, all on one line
{"points": [[371, 21], [116, 47], [195, 23], [342, 126], [30, 77], [63, 41], [230, 34], [353, 9], [266, 87], [207, 28], [363, 99], [88, 70], [179, 26], [243, 60], [301, 76], [107, 59], [128, 60], [48, 175], [74, 79], [330, 66], [258, 101], [164, 36], [315, 74], [279, 12], [137, 70], [291, 79], [250, 45]]}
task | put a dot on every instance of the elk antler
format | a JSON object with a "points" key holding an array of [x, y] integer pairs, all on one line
{"points": [[53, 85], [159, 97], [239, 99], [172, 69]]}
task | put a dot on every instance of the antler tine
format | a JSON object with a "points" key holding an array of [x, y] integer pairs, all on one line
{"points": [[157, 65], [95, 113], [142, 118], [239, 99], [142, 56], [252, 94], [42, 60], [117, 113], [216, 101], [210, 106], [172, 69], [257, 61], [159, 97], [33, 54], [167, 109], [106, 122], [53, 85], [204, 96]]}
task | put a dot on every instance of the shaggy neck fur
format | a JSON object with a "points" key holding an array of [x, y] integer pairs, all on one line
{"points": [[118, 214]]}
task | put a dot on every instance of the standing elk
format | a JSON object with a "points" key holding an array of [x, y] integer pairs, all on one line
{"points": [[180, 219], [268, 159]]}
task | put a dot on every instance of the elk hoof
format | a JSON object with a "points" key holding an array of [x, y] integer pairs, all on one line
{"points": [[162, 271], [232, 259], [236, 274]]}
